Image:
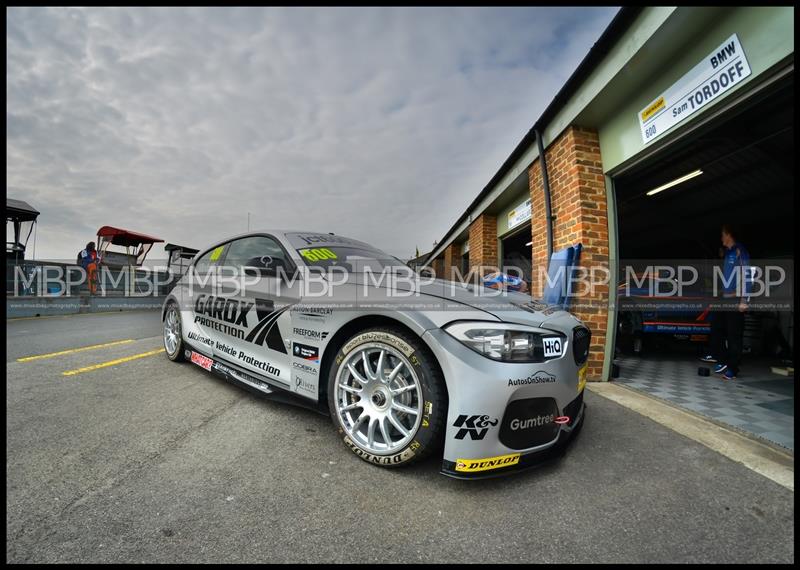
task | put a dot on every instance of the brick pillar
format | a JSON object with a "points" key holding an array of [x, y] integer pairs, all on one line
{"points": [[578, 201], [483, 242], [452, 260], [438, 267]]}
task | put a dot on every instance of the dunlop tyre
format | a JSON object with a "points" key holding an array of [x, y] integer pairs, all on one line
{"points": [[430, 432]]}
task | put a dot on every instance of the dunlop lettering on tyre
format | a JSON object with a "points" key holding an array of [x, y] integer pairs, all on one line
{"points": [[396, 459], [379, 336], [387, 397]]}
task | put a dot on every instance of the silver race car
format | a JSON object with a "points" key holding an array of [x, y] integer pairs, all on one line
{"points": [[401, 361]]}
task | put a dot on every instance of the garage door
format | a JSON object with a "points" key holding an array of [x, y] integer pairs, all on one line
{"points": [[737, 171]]}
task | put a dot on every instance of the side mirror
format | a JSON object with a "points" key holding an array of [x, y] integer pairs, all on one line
{"points": [[254, 271]]}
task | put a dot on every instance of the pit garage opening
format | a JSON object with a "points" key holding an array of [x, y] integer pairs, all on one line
{"points": [[517, 250], [738, 170]]}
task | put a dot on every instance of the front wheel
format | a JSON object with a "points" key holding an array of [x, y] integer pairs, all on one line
{"points": [[387, 397], [173, 341]]}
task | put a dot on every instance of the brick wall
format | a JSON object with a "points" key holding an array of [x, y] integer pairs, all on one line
{"points": [[578, 202], [438, 266], [483, 242], [452, 260]]}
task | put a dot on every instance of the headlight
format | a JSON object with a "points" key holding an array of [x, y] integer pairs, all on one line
{"points": [[507, 342]]}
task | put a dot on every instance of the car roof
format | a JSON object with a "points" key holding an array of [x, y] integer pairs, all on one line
{"points": [[283, 235]]}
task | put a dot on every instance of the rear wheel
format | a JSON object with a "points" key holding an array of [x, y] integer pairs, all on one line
{"points": [[173, 341], [387, 396]]}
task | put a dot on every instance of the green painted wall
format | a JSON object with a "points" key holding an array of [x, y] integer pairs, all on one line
{"points": [[688, 36]]}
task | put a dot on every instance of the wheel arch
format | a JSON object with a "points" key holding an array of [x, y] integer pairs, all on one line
{"points": [[350, 328], [170, 299]]}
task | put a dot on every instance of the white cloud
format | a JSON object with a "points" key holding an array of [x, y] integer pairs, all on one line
{"points": [[379, 124]]}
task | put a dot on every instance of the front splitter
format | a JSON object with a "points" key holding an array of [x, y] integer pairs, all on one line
{"points": [[527, 461]]}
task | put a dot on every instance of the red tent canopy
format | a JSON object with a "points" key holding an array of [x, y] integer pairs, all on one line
{"points": [[126, 238]]}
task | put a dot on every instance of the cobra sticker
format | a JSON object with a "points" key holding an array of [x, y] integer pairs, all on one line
{"points": [[475, 465]]}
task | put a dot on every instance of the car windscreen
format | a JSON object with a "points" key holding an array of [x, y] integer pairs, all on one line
{"points": [[352, 259]]}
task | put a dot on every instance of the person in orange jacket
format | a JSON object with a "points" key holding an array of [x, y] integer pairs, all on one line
{"points": [[89, 260]]}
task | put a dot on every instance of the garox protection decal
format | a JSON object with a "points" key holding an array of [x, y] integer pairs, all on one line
{"points": [[231, 317], [473, 465], [306, 352], [258, 363], [265, 329], [474, 426], [210, 310], [199, 338]]}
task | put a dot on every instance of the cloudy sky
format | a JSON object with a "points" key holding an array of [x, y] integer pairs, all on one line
{"points": [[378, 124]]}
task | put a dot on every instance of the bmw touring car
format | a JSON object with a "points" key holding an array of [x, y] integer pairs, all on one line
{"points": [[405, 366]]}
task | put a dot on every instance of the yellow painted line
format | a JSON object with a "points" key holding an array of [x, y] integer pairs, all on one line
{"points": [[73, 350], [111, 363]]}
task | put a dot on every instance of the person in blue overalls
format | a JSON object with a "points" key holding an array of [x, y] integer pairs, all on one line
{"points": [[727, 324]]}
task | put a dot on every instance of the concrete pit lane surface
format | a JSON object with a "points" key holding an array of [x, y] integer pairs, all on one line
{"points": [[144, 460]]}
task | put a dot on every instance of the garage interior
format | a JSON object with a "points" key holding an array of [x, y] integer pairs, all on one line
{"points": [[747, 161], [517, 252]]}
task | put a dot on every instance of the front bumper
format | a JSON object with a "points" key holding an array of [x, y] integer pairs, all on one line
{"points": [[505, 417], [528, 460]]}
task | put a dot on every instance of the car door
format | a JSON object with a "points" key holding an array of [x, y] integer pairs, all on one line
{"points": [[201, 328], [259, 284]]}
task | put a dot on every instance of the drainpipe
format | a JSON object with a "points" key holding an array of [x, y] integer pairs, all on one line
{"points": [[546, 184]]}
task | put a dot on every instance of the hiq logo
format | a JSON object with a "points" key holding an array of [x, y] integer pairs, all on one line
{"points": [[552, 346]]}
